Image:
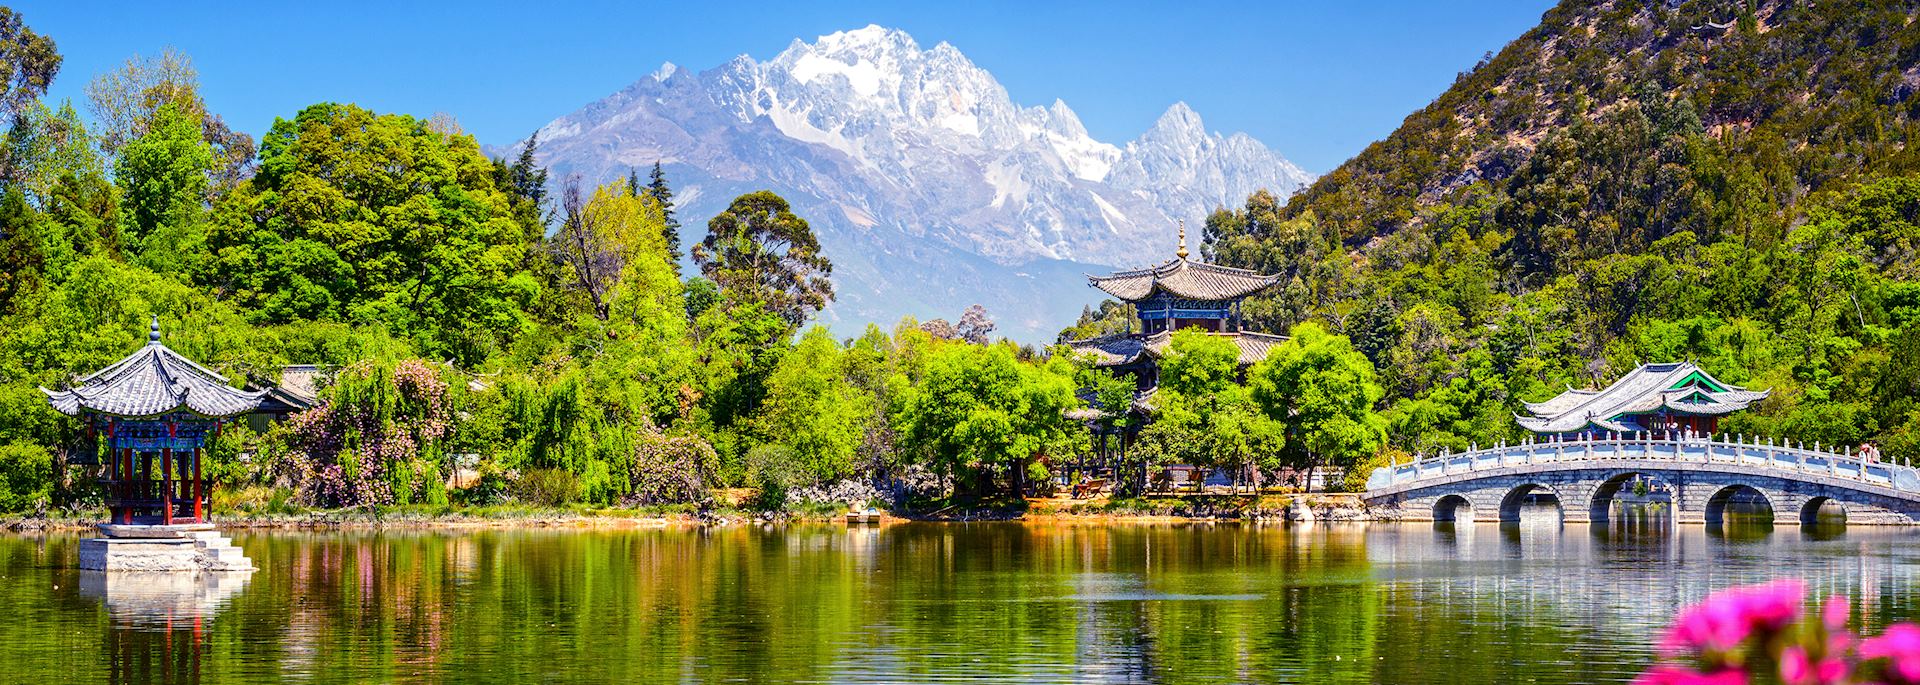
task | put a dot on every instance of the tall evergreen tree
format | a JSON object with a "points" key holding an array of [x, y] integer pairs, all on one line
{"points": [[658, 190], [526, 179]]}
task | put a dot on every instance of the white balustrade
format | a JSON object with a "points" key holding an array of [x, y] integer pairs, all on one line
{"points": [[1770, 453]]}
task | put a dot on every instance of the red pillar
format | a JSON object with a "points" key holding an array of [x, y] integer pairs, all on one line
{"points": [[199, 490], [166, 486], [125, 485]]}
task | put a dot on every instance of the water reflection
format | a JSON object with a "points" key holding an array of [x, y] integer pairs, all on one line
{"points": [[1534, 600], [161, 601], [157, 627]]}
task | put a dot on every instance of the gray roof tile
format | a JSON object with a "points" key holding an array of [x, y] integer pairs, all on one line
{"points": [[154, 380], [1183, 278], [1650, 388]]}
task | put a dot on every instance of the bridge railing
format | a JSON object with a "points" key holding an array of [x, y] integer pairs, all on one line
{"points": [[1736, 450]]}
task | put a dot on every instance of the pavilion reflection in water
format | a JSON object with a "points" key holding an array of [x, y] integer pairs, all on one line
{"points": [[158, 621]]}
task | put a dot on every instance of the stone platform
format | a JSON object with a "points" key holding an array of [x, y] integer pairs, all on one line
{"points": [[191, 547]]}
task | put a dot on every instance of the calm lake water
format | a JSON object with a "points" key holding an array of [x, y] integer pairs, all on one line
{"points": [[921, 602]]}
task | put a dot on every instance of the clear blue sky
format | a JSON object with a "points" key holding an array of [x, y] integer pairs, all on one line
{"points": [[1315, 80]]}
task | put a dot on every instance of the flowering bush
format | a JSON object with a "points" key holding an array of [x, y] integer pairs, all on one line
{"points": [[1757, 633], [376, 438]]}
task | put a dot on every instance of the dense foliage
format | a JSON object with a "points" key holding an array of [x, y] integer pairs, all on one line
{"points": [[1625, 184]]}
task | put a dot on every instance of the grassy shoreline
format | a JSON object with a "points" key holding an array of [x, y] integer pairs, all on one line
{"points": [[1336, 507]]}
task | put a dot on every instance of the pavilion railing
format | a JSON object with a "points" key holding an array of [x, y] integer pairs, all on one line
{"points": [[1769, 454]]}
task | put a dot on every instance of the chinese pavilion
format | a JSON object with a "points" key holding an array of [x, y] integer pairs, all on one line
{"points": [[153, 413], [1177, 294], [1679, 397]]}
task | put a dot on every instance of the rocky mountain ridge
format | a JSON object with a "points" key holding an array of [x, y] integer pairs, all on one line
{"points": [[930, 187]]}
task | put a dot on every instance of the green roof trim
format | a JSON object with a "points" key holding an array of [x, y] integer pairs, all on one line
{"points": [[1702, 378]]}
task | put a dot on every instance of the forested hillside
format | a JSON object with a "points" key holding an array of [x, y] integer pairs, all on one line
{"points": [[1729, 182]]}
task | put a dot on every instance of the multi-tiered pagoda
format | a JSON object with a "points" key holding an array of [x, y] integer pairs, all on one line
{"points": [[1178, 294]]}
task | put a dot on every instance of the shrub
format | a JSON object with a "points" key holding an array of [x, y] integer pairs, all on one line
{"points": [[26, 476], [546, 487]]}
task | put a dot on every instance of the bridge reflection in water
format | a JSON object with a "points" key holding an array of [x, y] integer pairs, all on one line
{"points": [[1642, 477]]}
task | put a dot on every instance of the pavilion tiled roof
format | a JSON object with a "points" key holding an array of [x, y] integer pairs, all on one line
{"points": [[1181, 277], [154, 380], [1680, 388], [1127, 348]]}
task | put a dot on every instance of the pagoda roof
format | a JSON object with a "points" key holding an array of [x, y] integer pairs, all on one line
{"points": [[1679, 388], [1185, 278], [1128, 348], [154, 380]]}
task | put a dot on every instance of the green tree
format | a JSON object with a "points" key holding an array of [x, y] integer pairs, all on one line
{"points": [[600, 235], [814, 411], [1323, 393], [376, 220], [126, 103], [163, 187], [979, 413], [26, 476], [28, 63], [658, 190], [759, 251], [1202, 415]]}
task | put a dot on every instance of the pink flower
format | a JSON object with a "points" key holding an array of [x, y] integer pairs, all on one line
{"points": [[1900, 645], [1797, 669], [1834, 614], [1728, 617], [1675, 675]]}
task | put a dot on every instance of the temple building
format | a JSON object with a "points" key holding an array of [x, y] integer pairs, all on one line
{"points": [[1680, 397], [1175, 295], [148, 419]]}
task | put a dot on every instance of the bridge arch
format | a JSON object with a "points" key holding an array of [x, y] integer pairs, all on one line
{"points": [[1600, 508], [1735, 494], [1811, 512], [1518, 496], [1453, 508]]}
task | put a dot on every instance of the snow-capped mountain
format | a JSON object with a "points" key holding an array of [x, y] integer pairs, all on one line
{"points": [[931, 189]]}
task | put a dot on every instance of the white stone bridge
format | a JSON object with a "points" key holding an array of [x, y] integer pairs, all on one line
{"points": [[1704, 474]]}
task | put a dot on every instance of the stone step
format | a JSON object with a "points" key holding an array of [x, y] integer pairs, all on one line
{"points": [[224, 553]]}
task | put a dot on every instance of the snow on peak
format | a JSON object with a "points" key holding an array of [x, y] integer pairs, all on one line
{"points": [[924, 142], [868, 38], [863, 75], [1179, 120], [666, 71]]}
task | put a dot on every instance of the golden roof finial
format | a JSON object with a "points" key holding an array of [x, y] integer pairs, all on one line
{"points": [[1183, 239]]}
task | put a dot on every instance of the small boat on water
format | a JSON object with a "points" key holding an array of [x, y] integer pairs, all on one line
{"points": [[868, 515]]}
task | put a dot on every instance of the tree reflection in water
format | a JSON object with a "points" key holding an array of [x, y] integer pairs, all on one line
{"points": [[997, 602]]}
